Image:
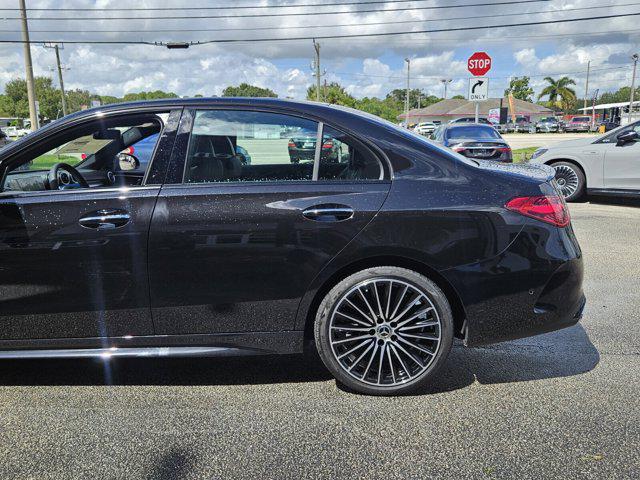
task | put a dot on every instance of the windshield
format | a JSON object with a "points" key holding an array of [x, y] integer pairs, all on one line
{"points": [[473, 133]]}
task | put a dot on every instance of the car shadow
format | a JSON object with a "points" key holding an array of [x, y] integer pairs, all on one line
{"points": [[559, 354]]}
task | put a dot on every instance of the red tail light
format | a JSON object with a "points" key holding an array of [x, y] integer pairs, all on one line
{"points": [[83, 156], [292, 145], [546, 208], [457, 149], [504, 149], [328, 144]]}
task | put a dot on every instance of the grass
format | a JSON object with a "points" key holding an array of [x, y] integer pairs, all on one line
{"points": [[523, 154], [46, 161]]}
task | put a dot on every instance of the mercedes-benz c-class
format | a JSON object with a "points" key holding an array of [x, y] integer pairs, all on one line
{"points": [[377, 259]]}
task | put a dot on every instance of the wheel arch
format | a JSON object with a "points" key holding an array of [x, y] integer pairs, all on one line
{"points": [[457, 307]]}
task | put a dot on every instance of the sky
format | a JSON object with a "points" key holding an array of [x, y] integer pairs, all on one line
{"points": [[365, 66]]}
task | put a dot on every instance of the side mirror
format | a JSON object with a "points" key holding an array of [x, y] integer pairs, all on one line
{"points": [[626, 137], [127, 162]]}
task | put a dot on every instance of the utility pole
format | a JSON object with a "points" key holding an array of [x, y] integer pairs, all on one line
{"points": [[316, 46], [64, 98], [634, 57], [60, 79], [586, 87], [406, 100], [31, 93], [324, 92]]}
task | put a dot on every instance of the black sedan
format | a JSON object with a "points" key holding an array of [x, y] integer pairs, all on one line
{"points": [[303, 148], [377, 260], [478, 141]]}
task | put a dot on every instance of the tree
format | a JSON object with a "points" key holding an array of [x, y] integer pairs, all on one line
{"points": [[520, 89], [385, 108], [16, 103], [246, 90], [417, 98], [560, 94], [333, 93], [157, 94]]}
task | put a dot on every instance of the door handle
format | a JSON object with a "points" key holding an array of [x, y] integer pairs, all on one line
{"points": [[328, 213], [105, 219]]}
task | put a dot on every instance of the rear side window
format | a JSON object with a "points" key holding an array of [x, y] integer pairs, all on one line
{"points": [[241, 146], [342, 159]]}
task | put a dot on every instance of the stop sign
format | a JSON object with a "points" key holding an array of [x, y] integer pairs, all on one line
{"points": [[479, 64]]}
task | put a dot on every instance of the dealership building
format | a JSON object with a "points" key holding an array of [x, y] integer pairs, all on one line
{"points": [[452, 108]]}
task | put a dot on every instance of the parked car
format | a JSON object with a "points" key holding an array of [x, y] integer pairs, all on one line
{"points": [[377, 261], [605, 165], [548, 125], [425, 128], [471, 120], [303, 148], [4, 139], [16, 132], [521, 124], [473, 140], [578, 124]]}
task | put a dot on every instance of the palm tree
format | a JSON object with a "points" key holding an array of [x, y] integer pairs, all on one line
{"points": [[559, 93]]}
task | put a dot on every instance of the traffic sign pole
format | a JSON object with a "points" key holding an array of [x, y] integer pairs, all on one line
{"points": [[478, 64]]}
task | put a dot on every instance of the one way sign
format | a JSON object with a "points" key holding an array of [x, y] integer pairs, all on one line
{"points": [[478, 89]]}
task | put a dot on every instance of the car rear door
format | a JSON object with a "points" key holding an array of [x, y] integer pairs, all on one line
{"points": [[622, 164], [74, 262], [233, 247]]}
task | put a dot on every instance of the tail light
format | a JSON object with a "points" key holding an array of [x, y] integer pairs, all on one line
{"points": [[292, 144], [504, 150], [457, 149], [328, 144], [546, 208], [83, 156]]}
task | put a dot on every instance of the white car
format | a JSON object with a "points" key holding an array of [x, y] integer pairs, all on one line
{"points": [[16, 132], [608, 164], [425, 128]]}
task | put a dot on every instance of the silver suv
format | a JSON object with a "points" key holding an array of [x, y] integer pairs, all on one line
{"points": [[607, 164]]}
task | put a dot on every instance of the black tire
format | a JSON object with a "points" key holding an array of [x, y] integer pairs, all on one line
{"points": [[408, 376], [566, 174]]}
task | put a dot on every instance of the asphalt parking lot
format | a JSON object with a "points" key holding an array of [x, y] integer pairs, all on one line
{"points": [[561, 405]]}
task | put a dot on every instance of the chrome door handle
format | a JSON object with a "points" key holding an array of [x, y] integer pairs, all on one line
{"points": [[328, 213], [105, 219]]}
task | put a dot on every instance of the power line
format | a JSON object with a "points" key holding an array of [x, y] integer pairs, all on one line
{"points": [[297, 14], [355, 35], [438, 77], [226, 7], [251, 29]]}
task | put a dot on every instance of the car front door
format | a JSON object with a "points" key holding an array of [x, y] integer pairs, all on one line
{"points": [[622, 163], [74, 261], [234, 246]]}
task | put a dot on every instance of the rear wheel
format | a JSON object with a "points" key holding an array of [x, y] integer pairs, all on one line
{"points": [[570, 179], [384, 330]]}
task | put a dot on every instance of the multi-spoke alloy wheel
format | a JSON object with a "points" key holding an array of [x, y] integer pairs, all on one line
{"points": [[570, 180], [386, 331]]}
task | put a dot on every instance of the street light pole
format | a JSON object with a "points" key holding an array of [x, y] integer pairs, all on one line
{"points": [[586, 87], [634, 57], [31, 91], [406, 100], [445, 81]]}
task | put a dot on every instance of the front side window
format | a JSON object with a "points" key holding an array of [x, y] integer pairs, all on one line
{"points": [[244, 146], [98, 154]]}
